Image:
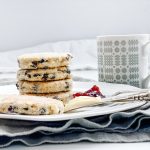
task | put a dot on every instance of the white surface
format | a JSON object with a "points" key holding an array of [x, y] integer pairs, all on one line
{"points": [[107, 88], [29, 22], [85, 146]]}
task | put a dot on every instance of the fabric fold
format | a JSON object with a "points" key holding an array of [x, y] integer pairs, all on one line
{"points": [[131, 126]]}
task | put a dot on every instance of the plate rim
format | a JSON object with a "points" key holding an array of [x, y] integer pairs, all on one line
{"points": [[65, 116]]}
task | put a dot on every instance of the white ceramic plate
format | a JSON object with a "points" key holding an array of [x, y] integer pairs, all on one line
{"points": [[107, 89]]}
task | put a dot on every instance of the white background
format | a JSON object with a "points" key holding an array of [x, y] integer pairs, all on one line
{"points": [[26, 23]]}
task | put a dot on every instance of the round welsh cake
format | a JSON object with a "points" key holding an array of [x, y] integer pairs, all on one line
{"points": [[31, 105], [44, 87], [44, 60], [44, 74]]}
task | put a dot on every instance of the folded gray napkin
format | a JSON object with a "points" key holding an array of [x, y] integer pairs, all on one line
{"points": [[129, 126]]}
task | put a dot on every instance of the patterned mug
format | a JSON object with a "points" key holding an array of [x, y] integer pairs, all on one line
{"points": [[124, 59]]}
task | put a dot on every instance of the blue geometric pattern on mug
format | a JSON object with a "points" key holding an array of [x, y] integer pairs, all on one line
{"points": [[133, 59], [123, 60], [119, 62], [108, 60]]}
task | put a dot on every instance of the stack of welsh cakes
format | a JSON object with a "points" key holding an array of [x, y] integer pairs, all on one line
{"points": [[45, 74]]}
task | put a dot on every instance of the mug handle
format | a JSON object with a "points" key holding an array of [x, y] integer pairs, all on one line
{"points": [[146, 82]]}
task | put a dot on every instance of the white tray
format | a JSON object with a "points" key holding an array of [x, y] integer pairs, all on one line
{"points": [[107, 89]]}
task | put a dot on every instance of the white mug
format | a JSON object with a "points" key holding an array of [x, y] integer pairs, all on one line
{"points": [[124, 59]]}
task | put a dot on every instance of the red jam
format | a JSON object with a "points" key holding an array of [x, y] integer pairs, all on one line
{"points": [[93, 92]]}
